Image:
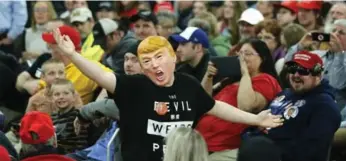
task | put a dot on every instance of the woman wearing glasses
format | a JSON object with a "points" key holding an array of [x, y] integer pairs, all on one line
{"points": [[255, 90]]}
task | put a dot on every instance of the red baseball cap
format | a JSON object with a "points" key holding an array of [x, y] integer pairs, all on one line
{"points": [[163, 6], [64, 30], [306, 59], [38, 123], [310, 4], [4, 155], [289, 4]]}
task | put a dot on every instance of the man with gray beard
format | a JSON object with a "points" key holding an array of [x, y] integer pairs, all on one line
{"points": [[338, 11], [334, 58], [247, 22]]}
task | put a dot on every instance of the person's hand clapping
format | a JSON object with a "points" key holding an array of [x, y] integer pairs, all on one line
{"points": [[64, 43], [267, 120]]}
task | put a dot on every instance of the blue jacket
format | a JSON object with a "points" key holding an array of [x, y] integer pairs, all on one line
{"points": [[311, 120]]}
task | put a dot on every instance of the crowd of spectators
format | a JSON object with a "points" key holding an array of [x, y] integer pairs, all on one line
{"points": [[173, 80]]}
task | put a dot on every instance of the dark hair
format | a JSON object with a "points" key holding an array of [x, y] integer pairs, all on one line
{"points": [[267, 65]]}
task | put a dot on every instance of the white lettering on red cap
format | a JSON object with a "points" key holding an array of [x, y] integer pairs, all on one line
{"points": [[302, 57]]}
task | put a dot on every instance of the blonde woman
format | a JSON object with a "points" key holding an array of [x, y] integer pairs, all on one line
{"points": [[33, 45], [185, 144]]}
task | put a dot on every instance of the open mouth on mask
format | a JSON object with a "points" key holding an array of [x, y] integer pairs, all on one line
{"points": [[159, 75]]}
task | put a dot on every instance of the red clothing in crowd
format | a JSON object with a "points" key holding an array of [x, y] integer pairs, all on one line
{"points": [[223, 135], [48, 157]]}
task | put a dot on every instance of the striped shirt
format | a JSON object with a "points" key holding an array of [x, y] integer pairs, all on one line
{"points": [[68, 141]]}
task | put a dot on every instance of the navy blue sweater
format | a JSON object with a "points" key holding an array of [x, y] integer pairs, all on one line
{"points": [[311, 120]]}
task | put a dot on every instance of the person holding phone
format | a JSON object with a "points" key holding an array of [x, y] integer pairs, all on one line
{"points": [[334, 57], [256, 88]]}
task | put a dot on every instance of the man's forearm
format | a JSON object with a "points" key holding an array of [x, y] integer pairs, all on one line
{"points": [[93, 71], [233, 114]]}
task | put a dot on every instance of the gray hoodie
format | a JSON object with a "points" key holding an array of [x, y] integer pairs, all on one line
{"points": [[115, 59]]}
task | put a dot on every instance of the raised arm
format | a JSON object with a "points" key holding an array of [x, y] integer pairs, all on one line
{"points": [[232, 114], [103, 78]]}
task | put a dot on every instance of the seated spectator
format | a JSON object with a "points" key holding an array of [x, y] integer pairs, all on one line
{"points": [[228, 25], [256, 89], [185, 144], [333, 58], [38, 138], [107, 108], [266, 8], [336, 12], [258, 149], [63, 96], [310, 113], [246, 26], [269, 32], [309, 15], [287, 12], [167, 23], [34, 46], [192, 52], [51, 70], [221, 43], [145, 24], [82, 19], [105, 9]]}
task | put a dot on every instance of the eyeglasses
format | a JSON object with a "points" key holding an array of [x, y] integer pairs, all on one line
{"points": [[246, 53], [293, 69]]}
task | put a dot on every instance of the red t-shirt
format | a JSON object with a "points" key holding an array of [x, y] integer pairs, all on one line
{"points": [[222, 135]]}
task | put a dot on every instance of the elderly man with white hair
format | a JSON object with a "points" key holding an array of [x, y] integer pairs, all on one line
{"points": [[334, 58], [336, 12]]}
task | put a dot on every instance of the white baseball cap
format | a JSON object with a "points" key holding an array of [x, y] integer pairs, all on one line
{"points": [[104, 27], [80, 15], [251, 16]]}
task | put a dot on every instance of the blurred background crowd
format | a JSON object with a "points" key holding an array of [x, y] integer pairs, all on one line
{"points": [[108, 32]]}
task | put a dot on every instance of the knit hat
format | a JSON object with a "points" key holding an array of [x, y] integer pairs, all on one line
{"points": [[133, 47]]}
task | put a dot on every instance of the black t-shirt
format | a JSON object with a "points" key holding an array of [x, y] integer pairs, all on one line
{"points": [[35, 69], [148, 112]]}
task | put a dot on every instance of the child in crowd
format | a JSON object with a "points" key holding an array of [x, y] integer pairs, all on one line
{"points": [[51, 70], [63, 97]]}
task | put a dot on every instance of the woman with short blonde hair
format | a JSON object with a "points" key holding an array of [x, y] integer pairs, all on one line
{"points": [[185, 144]]}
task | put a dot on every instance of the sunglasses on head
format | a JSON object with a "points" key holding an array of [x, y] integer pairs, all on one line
{"points": [[293, 69]]}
